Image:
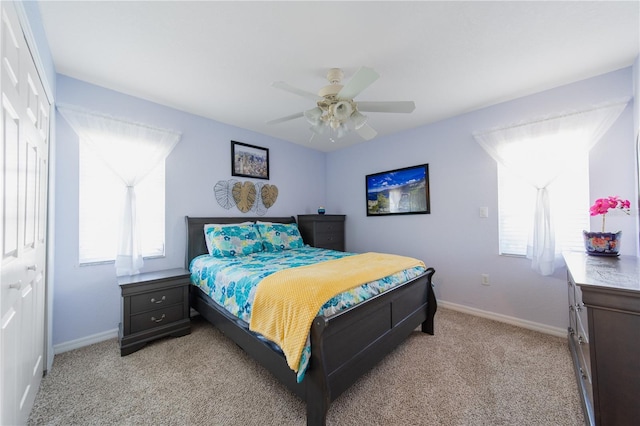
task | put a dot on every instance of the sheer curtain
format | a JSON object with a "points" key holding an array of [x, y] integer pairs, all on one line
{"points": [[131, 151], [538, 151]]}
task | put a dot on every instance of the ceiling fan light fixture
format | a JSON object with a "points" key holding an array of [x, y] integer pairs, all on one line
{"points": [[334, 123], [342, 110], [342, 130], [318, 128], [313, 115]]}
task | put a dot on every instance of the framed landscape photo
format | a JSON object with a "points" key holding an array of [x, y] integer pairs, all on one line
{"points": [[249, 160], [400, 191]]}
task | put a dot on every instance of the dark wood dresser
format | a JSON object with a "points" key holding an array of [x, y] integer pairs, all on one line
{"points": [[154, 305], [322, 230], [604, 335]]}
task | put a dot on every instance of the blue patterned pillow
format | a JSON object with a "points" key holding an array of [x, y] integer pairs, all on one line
{"points": [[279, 236], [232, 240]]}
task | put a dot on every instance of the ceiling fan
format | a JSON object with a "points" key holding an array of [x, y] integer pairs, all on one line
{"points": [[336, 111]]}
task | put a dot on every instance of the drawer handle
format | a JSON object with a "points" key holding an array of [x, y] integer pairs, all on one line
{"points": [[17, 285], [580, 340], [159, 319], [32, 267], [153, 300]]}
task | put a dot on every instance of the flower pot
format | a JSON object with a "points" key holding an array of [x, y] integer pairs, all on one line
{"points": [[602, 243]]}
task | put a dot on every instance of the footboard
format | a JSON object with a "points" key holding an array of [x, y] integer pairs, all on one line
{"points": [[349, 343]]}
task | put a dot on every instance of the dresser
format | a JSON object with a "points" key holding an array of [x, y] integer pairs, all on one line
{"points": [[322, 230], [154, 305], [604, 335]]}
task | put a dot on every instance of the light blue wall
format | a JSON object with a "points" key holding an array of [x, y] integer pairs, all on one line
{"points": [[87, 298], [453, 238]]}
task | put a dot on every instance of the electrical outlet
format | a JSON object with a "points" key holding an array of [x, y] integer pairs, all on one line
{"points": [[484, 279]]}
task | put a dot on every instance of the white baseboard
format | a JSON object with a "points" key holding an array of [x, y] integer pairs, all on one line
{"points": [[85, 341], [542, 328], [530, 325]]}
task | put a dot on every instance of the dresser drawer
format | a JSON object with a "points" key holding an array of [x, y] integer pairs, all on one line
{"points": [[156, 299], [158, 317]]}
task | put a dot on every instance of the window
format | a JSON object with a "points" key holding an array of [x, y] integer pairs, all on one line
{"points": [[546, 151], [569, 200], [102, 194]]}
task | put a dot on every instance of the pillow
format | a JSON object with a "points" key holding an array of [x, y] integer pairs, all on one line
{"points": [[279, 236], [232, 240], [219, 225]]}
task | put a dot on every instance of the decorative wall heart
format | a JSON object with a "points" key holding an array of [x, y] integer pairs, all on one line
{"points": [[269, 194], [244, 194], [223, 193]]}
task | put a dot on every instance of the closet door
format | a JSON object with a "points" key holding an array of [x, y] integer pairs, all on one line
{"points": [[24, 128]]}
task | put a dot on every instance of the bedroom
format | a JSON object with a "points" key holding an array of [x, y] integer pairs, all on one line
{"points": [[86, 303]]}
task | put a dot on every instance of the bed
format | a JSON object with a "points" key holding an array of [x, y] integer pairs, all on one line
{"points": [[345, 345]]}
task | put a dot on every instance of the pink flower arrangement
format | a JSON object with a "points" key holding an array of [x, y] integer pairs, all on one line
{"points": [[602, 206]]}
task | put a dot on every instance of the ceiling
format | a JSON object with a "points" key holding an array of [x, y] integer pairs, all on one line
{"points": [[218, 59]]}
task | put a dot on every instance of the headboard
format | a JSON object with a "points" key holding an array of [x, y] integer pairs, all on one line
{"points": [[196, 244]]}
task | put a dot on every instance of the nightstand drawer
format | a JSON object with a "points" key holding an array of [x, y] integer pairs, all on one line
{"points": [[329, 239], [156, 318], [157, 299], [330, 227]]}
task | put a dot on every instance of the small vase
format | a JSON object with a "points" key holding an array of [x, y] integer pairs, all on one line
{"points": [[321, 210], [602, 243]]}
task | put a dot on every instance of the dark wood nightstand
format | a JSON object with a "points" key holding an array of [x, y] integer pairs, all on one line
{"points": [[322, 230], [154, 305]]}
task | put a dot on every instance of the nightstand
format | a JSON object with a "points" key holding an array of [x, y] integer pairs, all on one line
{"points": [[322, 230], [154, 305]]}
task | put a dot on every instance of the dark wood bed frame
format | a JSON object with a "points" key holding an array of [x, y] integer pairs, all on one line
{"points": [[344, 346]]}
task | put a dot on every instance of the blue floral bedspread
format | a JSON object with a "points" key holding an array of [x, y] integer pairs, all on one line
{"points": [[231, 282]]}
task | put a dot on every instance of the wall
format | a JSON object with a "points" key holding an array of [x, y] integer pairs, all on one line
{"points": [[453, 238], [87, 298]]}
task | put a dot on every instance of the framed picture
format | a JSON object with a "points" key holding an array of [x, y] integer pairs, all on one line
{"points": [[400, 191], [249, 160]]}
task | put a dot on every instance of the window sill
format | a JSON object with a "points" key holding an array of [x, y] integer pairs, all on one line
{"points": [[112, 261]]}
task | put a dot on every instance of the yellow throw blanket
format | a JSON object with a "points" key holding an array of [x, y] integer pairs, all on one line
{"points": [[287, 301]]}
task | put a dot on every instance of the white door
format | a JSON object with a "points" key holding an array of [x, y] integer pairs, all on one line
{"points": [[24, 128]]}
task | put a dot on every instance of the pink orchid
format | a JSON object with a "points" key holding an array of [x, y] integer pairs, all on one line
{"points": [[602, 206]]}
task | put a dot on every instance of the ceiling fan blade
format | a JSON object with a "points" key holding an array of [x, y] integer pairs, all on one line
{"points": [[360, 81], [367, 132], [393, 106], [287, 118], [289, 88]]}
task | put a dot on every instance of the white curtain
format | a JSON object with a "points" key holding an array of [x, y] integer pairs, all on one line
{"points": [[538, 151], [131, 150]]}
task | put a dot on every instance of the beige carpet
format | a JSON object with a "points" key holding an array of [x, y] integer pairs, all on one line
{"points": [[472, 372]]}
